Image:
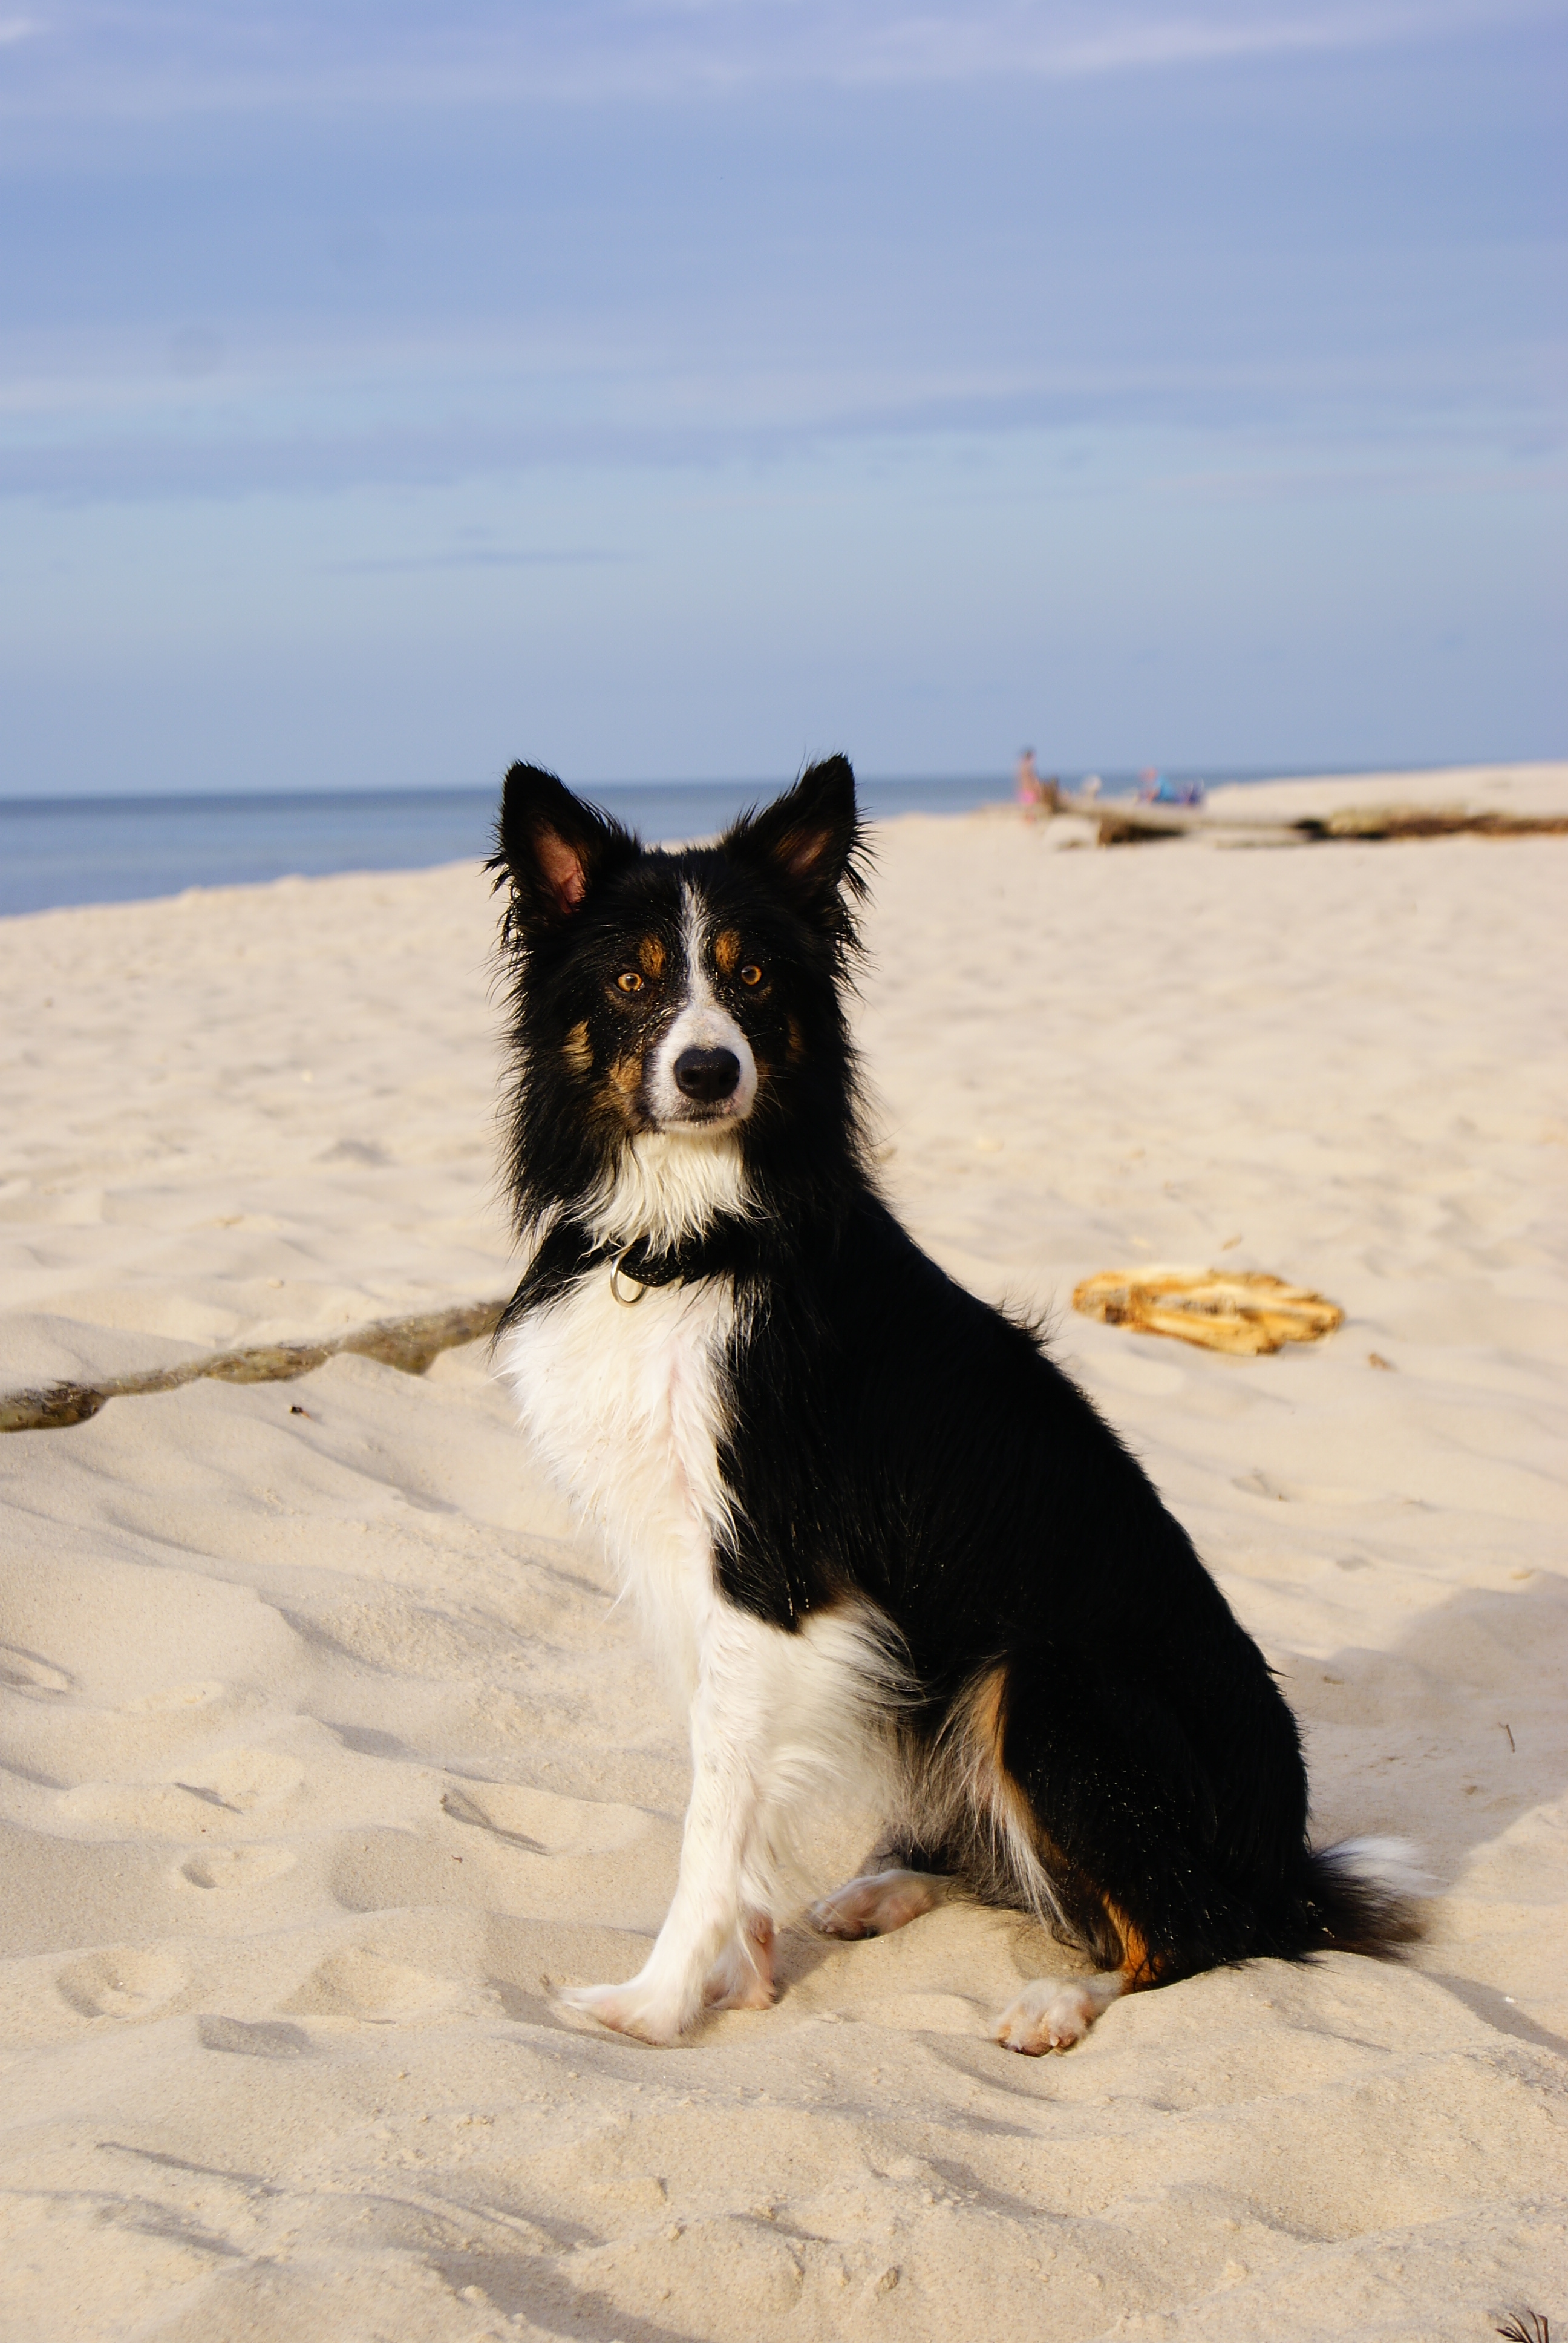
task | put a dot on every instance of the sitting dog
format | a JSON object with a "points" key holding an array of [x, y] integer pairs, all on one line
{"points": [[875, 1536]]}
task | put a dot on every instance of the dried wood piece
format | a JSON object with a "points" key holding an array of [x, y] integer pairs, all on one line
{"points": [[1129, 822], [409, 1343], [1434, 821], [1243, 1312]]}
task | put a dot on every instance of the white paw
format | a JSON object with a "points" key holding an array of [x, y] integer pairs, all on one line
{"points": [[650, 2013], [876, 1905], [1047, 2017], [742, 1975]]}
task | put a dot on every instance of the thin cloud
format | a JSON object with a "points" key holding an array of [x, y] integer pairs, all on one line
{"points": [[469, 557], [151, 61], [325, 451]]}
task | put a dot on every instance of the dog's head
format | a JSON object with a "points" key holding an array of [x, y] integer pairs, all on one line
{"points": [[694, 995]]}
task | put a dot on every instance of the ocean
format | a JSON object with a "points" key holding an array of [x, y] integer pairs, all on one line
{"points": [[112, 850], [56, 850]]}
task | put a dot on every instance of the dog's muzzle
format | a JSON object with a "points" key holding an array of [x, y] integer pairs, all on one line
{"points": [[703, 1071], [708, 1077]]}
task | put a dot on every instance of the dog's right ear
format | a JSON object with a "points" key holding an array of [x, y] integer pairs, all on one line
{"points": [[551, 847], [812, 840]]}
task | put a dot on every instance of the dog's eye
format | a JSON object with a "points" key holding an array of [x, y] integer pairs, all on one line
{"points": [[752, 973], [629, 981]]}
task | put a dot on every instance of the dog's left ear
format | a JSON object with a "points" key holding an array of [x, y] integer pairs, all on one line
{"points": [[810, 838], [551, 846]]}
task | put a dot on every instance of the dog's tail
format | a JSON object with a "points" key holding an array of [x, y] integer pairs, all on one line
{"points": [[1361, 1897]]}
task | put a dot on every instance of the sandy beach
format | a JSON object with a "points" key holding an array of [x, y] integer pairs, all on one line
{"points": [[326, 1756]]}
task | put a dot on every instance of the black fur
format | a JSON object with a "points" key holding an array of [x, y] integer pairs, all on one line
{"points": [[893, 1437]]}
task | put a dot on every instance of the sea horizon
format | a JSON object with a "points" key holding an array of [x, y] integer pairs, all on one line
{"points": [[61, 851]]}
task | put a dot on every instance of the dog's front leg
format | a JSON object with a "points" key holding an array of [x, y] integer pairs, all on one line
{"points": [[710, 1950]]}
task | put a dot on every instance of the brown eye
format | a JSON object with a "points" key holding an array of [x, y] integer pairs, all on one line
{"points": [[752, 973], [629, 981]]}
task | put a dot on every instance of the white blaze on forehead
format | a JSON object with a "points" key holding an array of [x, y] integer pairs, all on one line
{"points": [[701, 1022], [694, 945]]}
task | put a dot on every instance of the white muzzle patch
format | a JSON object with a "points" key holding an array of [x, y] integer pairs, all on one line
{"points": [[689, 1081], [703, 1073]]}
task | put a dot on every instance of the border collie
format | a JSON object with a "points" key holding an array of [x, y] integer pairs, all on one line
{"points": [[874, 1534]]}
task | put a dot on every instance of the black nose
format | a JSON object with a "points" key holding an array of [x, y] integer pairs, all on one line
{"points": [[708, 1075]]}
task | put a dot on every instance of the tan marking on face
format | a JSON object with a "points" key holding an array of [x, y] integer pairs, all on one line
{"points": [[626, 1073], [650, 952], [576, 1049], [727, 950], [797, 1040]]}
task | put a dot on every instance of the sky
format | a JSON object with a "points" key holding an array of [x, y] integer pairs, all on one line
{"points": [[681, 388]]}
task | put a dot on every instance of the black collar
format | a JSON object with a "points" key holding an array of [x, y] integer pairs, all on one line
{"points": [[570, 1251], [712, 1254]]}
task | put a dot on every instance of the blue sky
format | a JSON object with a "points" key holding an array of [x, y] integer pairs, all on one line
{"points": [[677, 390]]}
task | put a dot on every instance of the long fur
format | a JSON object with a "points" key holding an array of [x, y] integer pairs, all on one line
{"points": [[875, 1532]]}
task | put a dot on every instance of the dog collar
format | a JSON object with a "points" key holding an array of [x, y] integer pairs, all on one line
{"points": [[569, 1252], [638, 1265]]}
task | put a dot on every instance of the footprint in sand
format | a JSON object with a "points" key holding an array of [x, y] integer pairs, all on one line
{"points": [[237, 1866], [29, 1672], [177, 1696], [247, 1779], [543, 1822], [253, 2038], [129, 1982], [167, 1810], [358, 1983], [237, 1782]]}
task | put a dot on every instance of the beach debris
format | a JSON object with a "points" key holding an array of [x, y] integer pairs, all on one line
{"points": [[407, 1344], [1129, 821], [1245, 1312], [1432, 821], [1376, 1359]]}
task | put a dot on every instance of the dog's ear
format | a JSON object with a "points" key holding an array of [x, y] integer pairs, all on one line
{"points": [[551, 846], [810, 838]]}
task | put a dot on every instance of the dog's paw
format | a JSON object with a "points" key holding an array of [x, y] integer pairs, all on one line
{"points": [[742, 1975], [636, 2009], [1047, 2015], [876, 1903]]}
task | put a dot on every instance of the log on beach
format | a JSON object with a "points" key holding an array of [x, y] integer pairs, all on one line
{"points": [[409, 1345], [1132, 823]]}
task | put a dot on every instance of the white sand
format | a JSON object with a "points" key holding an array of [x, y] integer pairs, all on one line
{"points": [[325, 1754], [1517, 789]]}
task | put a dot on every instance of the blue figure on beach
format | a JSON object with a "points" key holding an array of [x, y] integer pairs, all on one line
{"points": [[1153, 788]]}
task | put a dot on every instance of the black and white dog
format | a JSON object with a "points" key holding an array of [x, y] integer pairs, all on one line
{"points": [[875, 1535]]}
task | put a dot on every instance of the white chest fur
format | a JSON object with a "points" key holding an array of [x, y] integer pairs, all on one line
{"points": [[625, 1406]]}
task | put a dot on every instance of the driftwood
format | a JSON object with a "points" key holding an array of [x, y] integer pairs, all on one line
{"points": [[1129, 821], [1434, 821], [408, 1343], [1245, 1312]]}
